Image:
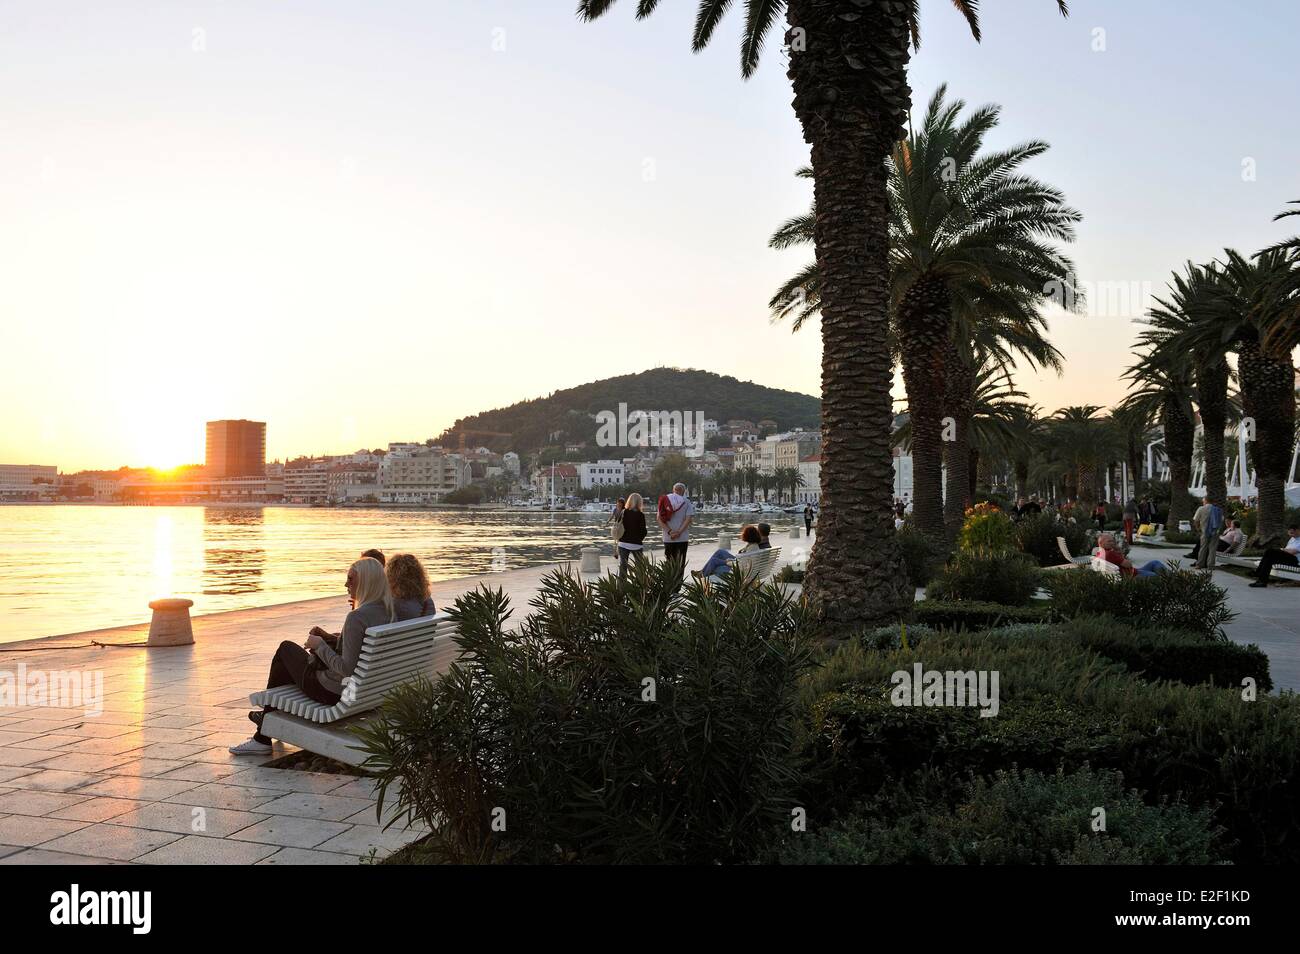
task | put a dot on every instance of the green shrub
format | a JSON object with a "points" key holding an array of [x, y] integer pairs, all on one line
{"points": [[552, 722], [1179, 600], [788, 574], [1007, 578], [1177, 536], [987, 529], [941, 614], [1060, 701], [1174, 654], [1016, 817], [920, 555], [1037, 537]]}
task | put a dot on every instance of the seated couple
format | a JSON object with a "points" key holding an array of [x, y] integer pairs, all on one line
{"points": [[380, 593], [1107, 548], [754, 538]]}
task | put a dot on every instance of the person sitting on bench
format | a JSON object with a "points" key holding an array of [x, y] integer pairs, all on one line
{"points": [[1275, 557], [1231, 537], [319, 669], [1112, 554], [409, 584], [720, 562]]}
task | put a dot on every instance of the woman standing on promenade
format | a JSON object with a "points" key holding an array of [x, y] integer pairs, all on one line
{"points": [[319, 669], [633, 536]]}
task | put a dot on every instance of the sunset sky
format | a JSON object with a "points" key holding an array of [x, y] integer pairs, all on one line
{"points": [[358, 221]]}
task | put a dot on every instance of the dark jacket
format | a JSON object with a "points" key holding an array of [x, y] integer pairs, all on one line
{"points": [[634, 527]]}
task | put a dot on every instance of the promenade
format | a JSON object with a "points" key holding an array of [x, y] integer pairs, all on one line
{"points": [[149, 781]]}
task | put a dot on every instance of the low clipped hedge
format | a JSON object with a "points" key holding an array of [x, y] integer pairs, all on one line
{"points": [[948, 614], [1010, 578], [1175, 655], [1014, 817], [1061, 704]]}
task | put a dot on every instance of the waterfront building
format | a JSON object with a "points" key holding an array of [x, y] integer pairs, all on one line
{"points": [[765, 455], [28, 481], [795, 447], [810, 469], [745, 456], [558, 479], [601, 473], [418, 474], [341, 478], [510, 461], [306, 480], [236, 449]]}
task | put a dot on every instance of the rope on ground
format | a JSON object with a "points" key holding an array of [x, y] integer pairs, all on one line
{"points": [[90, 645]]}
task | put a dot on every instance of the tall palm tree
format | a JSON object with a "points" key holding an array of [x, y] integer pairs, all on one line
{"points": [[1132, 426], [1163, 388], [848, 69], [1257, 296], [969, 235], [1176, 323], [1081, 439]]}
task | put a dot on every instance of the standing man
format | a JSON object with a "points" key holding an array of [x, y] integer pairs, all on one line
{"points": [[807, 519], [1208, 521], [674, 516]]}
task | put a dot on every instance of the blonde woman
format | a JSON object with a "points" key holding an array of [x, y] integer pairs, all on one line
{"points": [[631, 543], [319, 669]]}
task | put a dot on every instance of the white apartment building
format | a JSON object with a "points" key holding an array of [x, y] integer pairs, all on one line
{"points": [[600, 473], [416, 474], [810, 468], [765, 455], [306, 481], [510, 461], [27, 480]]}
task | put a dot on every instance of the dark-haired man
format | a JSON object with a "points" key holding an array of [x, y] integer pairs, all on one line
{"points": [[1273, 556]]}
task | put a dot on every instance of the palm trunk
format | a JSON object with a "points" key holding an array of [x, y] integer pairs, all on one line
{"points": [[923, 319], [959, 403], [852, 110], [1268, 398], [1212, 386], [1022, 478], [1180, 439], [1085, 486]]}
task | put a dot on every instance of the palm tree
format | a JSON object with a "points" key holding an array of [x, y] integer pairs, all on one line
{"points": [[1176, 324], [1257, 297], [967, 234], [848, 70], [1081, 439], [1132, 426], [996, 411], [1163, 389]]}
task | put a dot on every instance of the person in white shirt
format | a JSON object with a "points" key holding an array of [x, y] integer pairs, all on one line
{"points": [[674, 516], [1231, 537], [1272, 557]]}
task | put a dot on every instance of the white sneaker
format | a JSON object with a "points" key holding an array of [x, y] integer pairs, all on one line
{"points": [[250, 747]]}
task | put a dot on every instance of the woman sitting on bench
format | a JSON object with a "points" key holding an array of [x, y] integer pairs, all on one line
{"points": [[318, 669], [720, 562], [409, 584]]}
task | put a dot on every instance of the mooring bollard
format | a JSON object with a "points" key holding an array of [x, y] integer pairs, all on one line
{"points": [[794, 532], [724, 541], [170, 625], [590, 562]]}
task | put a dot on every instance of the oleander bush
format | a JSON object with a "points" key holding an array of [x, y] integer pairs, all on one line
{"points": [[986, 529], [616, 724], [1187, 601], [1010, 578], [1037, 535], [1015, 816]]}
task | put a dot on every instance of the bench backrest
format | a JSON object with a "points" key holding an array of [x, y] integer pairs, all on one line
{"points": [[1101, 565], [1065, 550], [395, 653], [758, 564], [1237, 547]]}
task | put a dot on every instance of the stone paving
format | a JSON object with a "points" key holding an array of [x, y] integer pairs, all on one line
{"points": [[149, 779]]}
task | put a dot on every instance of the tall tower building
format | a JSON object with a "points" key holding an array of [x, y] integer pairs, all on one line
{"points": [[236, 449]]}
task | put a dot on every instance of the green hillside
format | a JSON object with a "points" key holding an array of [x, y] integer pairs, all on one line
{"points": [[569, 415]]}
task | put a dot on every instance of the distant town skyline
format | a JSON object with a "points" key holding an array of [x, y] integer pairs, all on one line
{"points": [[359, 222]]}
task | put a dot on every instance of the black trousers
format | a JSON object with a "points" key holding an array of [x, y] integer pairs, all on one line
{"points": [[1271, 559], [289, 668], [675, 552], [624, 554]]}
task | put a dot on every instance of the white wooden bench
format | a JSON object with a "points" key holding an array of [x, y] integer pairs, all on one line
{"points": [[1072, 562], [391, 654], [756, 564], [1099, 564]]}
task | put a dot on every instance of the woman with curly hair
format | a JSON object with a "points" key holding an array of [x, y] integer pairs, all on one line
{"points": [[412, 596]]}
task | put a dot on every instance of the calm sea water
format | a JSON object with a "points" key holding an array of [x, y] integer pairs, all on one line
{"points": [[67, 569]]}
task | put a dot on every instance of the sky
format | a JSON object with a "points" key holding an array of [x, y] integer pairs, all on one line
{"points": [[359, 221]]}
